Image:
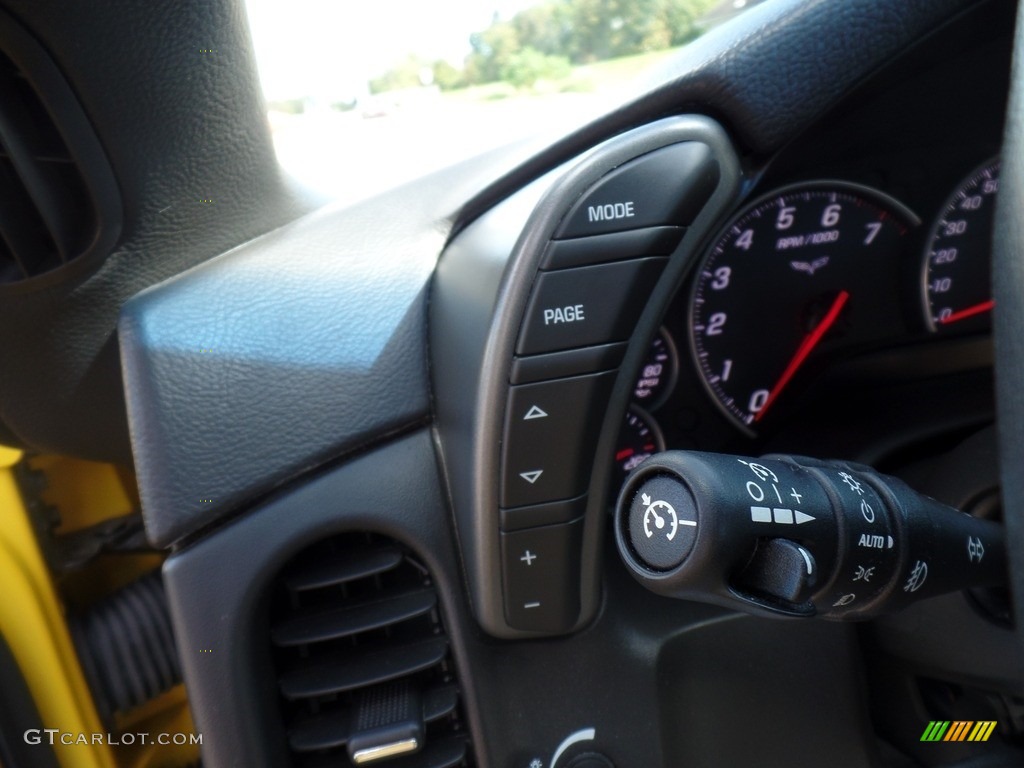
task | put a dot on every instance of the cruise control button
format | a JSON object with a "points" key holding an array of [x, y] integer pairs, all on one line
{"points": [[662, 523], [550, 431], [586, 306], [541, 573], [668, 186]]}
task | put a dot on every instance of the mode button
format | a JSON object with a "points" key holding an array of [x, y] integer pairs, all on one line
{"points": [[586, 306], [668, 186]]}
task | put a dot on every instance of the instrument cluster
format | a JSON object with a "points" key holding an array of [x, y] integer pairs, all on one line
{"points": [[805, 277]]}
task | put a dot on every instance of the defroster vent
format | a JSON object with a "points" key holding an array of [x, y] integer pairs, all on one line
{"points": [[364, 670], [58, 200]]}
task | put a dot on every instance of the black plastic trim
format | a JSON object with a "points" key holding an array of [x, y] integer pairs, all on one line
{"points": [[363, 670], [549, 513], [614, 246], [84, 147], [569, 362], [323, 625], [394, 491]]}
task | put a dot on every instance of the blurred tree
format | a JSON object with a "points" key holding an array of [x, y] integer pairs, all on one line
{"points": [[407, 74], [548, 28], [529, 65], [447, 77], [541, 40], [493, 50], [606, 29]]}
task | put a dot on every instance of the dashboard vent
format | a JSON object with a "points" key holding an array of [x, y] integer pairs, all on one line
{"points": [[364, 670], [58, 199]]}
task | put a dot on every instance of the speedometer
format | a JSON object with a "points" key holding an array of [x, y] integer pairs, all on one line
{"points": [[957, 260], [795, 275]]}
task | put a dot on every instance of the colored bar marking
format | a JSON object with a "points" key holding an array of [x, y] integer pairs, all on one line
{"points": [[935, 731], [952, 730], [958, 730]]}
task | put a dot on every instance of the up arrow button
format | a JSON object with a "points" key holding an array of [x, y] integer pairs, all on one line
{"points": [[536, 412], [551, 428]]}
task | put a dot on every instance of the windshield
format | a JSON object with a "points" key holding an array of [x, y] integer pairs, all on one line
{"points": [[362, 97]]}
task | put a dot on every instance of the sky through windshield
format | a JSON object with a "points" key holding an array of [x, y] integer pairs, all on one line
{"points": [[364, 96], [331, 47]]}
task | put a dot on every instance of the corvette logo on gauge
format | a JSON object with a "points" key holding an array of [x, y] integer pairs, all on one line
{"points": [[795, 277]]}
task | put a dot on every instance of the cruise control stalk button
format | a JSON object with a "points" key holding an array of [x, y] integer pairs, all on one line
{"points": [[662, 523], [728, 530]]}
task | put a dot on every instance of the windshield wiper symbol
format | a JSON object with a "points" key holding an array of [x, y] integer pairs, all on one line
{"points": [[810, 267]]}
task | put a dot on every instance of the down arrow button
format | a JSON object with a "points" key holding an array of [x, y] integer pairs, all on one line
{"points": [[550, 431]]}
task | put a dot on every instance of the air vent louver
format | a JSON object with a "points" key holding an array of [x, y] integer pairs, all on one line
{"points": [[362, 660], [58, 201]]}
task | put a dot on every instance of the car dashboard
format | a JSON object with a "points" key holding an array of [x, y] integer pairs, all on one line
{"points": [[386, 452]]}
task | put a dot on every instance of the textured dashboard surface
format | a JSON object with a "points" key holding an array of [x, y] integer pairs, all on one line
{"points": [[298, 347], [784, 63], [179, 126]]}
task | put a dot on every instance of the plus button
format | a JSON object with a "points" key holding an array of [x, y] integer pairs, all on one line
{"points": [[528, 557]]}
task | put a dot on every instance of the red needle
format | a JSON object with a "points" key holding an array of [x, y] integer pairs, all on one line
{"points": [[963, 314], [806, 347]]}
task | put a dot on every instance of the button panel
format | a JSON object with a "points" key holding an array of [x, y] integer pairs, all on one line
{"points": [[541, 577], [549, 428], [582, 307], [615, 224]]}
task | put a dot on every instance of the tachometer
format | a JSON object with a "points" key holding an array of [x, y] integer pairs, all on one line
{"points": [[957, 259], [802, 271]]}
